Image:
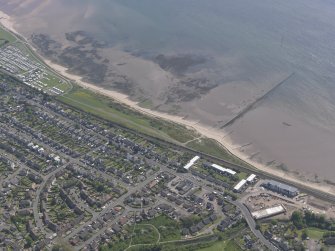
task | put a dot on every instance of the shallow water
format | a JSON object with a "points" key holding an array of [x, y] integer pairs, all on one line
{"points": [[250, 45]]}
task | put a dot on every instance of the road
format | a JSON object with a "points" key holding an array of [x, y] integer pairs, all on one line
{"points": [[36, 56], [317, 193], [252, 225], [118, 201], [246, 214], [46, 178], [244, 168], [244, 210]]}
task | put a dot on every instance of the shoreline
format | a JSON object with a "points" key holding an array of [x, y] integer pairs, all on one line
{"points": [[220, 136], [6, 21]]}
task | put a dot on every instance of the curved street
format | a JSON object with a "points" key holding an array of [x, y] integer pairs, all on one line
{"points": [[252, 224]]}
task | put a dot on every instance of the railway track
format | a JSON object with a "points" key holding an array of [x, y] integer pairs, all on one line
{"points": [[244, 168]]}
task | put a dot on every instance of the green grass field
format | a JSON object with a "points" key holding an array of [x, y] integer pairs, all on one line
{"points": [[6, 35], [313, 233], [229, 245], [212, 147], [145, 234], [168, 228], [104, 107], [52, 79]]}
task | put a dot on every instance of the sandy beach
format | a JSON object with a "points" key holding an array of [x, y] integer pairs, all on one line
{"points": [[7, 22], [221, 136]]}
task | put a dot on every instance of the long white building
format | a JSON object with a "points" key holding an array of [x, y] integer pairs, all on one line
{"points": [[191, 162], [239, 185], [223, 170], [264, 213]]}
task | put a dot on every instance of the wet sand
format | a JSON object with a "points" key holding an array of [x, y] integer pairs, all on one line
{"points": [[224, 137], [7, 22]]}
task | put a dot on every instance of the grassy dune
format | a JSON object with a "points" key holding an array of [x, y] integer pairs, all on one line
{"points": [[106, 108]]}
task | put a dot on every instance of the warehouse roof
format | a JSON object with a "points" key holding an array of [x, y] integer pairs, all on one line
{"points": [[281, 186], [268, 212]]}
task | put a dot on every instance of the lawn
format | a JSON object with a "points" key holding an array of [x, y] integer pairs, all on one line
{"points": [[3, 166], [145, 234], [314, 233], [64, 86], [6, 36], [229, 245], [212, 147], [116, 245], [242, 175], [168, 228], [104, 107]]}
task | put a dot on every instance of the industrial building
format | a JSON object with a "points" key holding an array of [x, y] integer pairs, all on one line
{"points": [[265, 213], [281, 188]]}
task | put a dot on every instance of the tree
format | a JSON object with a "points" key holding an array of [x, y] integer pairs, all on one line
{"points": [[53, 201], [100, 188], [190, 220], [304, 235], [328, 234], [181, 170], [233, 197], [274, 222], [61, 245], [29, 242], [297, 219], [156, 248]]}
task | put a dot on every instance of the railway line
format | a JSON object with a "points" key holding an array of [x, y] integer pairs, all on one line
{"points": [[245, 168]]}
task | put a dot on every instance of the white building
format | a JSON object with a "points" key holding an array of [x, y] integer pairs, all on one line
{"points": [[264, 213], [251, 178], [223, 170], [191, 162], [239, 186]]}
